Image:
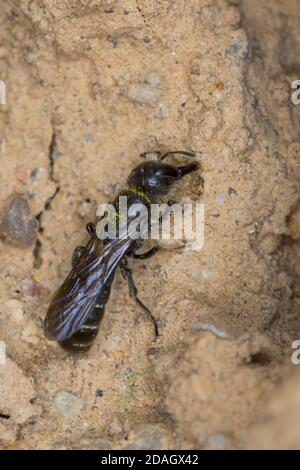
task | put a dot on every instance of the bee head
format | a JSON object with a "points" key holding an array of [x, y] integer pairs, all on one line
{"points": [[156, 178]]}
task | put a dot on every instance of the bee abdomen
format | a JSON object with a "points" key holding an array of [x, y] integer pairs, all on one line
{"points": [[84, 338]]}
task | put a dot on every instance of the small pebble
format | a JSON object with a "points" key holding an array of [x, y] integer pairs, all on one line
{"points": [[18, 225], [146, 437], [238, 49], [151, 351], [163, 112], [232, 192], [220, 199], [35, 172], [217, 442], [89, 139], [67, 404], [143, 94], [153, 79]]}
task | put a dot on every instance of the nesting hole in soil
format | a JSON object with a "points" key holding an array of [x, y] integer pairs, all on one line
{"points": [[261, 358]]}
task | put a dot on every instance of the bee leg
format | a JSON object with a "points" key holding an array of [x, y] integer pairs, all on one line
{"points": [[171, 203], [186, 169], [146, 255], [76, 255], [90, 227], [127, 275]]}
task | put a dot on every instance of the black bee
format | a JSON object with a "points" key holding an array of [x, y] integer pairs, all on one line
{"points": [[75, 313]]}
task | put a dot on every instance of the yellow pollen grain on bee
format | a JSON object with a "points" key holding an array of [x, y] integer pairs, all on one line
{"points": [[139, 193], [114, 216]]}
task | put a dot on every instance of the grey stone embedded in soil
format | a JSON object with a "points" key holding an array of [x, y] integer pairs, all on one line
{"points": [[143, 93], [57, 154], [153, 79], [145, 437], [220, 198], [238, 49], [17, 224], [67, 404], [217, 442]]}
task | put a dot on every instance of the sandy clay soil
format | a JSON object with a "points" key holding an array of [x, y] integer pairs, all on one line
{"points": [[90, 84]]}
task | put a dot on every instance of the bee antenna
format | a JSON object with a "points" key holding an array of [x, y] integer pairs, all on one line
{"points": [[177, 152]]}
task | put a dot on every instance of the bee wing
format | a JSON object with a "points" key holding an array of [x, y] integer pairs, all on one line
{"points": [[76, 298]]}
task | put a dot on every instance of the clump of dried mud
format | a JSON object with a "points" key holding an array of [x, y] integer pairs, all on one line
{"points": [[90, 85]]}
